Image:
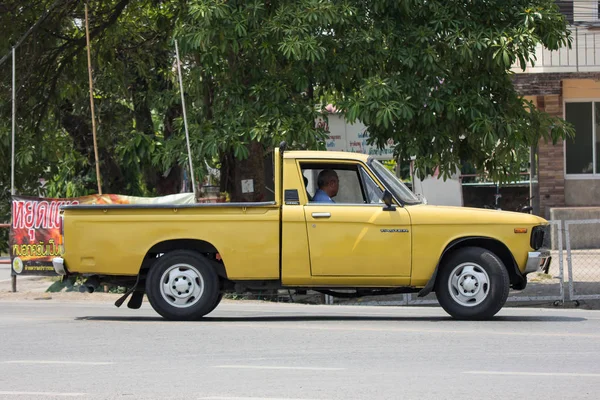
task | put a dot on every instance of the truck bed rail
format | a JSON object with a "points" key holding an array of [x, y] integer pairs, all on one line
{"points": [[168, 206]]}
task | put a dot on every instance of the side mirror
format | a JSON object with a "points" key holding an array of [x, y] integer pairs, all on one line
{"points": [[387, 200]]}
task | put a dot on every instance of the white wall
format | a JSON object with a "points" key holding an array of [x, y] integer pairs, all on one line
{"points": [[352, 137], [439, 192]]}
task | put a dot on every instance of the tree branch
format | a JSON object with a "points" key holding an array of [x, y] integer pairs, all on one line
{"points": [[30, 30], [79, 45]]}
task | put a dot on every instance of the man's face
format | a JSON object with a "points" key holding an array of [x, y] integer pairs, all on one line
{"points": [[333, 186]]}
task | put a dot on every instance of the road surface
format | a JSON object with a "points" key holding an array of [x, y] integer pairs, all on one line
{"points": [[259, 351]]}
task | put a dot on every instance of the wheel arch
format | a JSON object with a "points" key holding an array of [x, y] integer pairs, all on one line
{"points": [[517, 281], [202, 247]]}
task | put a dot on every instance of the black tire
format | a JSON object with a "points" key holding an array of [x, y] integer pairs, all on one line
{"points": [[182, 286], [219, 298], [472, 284]]}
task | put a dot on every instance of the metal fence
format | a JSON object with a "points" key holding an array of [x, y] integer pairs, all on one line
{"points": [[550, 286], [583, 258]]}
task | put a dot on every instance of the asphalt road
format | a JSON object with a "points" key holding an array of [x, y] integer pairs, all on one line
{"points": [[259, 351]]}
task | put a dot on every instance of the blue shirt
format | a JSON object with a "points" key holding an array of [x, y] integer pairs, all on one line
{"points": [[321, 197]]}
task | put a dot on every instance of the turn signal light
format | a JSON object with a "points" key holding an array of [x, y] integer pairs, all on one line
{"points": [[520, 230]]}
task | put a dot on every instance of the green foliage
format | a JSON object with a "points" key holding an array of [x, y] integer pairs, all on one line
{"points": [[73, 284], [256, 71]]}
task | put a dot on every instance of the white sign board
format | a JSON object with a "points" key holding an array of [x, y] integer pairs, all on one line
{"points": [[247, 186], [352, 138], [437, 191]]}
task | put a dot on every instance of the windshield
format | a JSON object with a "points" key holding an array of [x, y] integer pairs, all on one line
{"points": [[393, 184]]}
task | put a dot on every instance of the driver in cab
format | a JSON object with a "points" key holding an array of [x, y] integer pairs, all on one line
{"points": [[329, 184]]}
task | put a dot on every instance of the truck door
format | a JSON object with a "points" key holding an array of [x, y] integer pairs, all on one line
{"points": [[354, 235]]}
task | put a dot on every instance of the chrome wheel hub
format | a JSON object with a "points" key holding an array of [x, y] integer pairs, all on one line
{"points": [[469, 284], [181, 285]]}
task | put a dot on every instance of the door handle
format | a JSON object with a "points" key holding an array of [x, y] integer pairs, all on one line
{"points": [[321, 215]]}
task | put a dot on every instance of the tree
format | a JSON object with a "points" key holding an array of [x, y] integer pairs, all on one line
{"points": [[431, 75], [256, 71]]}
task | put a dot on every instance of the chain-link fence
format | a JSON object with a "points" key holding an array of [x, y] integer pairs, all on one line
{"points": [[583, 258], [547, 285]]}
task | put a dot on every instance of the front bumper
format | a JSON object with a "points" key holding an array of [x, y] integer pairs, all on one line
{"points": [[59, 265], [538, 261]]}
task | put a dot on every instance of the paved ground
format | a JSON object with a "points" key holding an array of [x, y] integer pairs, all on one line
{"points": [[34, 288]]}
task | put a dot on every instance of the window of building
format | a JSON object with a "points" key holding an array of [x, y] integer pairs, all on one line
{"points": [[582, 152], [566, 9], [580, 11]]}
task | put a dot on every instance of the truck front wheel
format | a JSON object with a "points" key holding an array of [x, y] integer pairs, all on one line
{"points": [[472, 284], [182, 286]]}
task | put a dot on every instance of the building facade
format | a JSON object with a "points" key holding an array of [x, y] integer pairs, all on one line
{"points": [[566, 83]]}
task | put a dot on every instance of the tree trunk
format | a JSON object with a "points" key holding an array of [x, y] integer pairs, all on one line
{"points": [[244, 180], [171, 181]]}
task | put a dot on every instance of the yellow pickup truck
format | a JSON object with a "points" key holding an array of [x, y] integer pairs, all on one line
{"points": [[339, 223]]}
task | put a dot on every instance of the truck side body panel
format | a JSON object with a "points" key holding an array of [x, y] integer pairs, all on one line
{"points": [[114, 241]]}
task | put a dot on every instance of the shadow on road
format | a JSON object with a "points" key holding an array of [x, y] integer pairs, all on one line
{"points": [[304, 318]]}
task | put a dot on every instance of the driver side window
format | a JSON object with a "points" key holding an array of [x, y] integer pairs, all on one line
{"points": [[340, 183]]}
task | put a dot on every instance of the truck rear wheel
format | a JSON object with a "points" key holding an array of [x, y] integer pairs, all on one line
{"points": [[182, 286], [472, 284]]}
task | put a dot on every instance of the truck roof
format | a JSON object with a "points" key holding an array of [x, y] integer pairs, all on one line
{"points": [[326, 155]]}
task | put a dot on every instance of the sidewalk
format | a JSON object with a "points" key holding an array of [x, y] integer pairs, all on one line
{"points": [[34, 288]]}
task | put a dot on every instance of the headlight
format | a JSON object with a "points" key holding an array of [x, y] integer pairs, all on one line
{"points": [[537, 237]]}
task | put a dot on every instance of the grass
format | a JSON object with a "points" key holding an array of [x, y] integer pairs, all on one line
{"points": [[72, 284], [541, 277]]}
